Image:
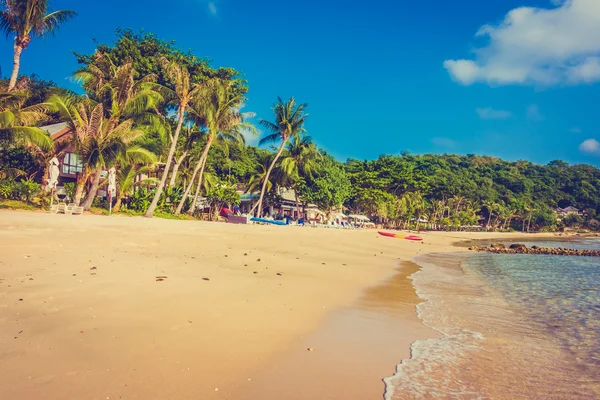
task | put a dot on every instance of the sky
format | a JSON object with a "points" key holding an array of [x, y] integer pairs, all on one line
{"points": [[516, 79]]}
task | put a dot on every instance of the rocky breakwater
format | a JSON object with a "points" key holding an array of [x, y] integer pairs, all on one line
{"points": [[522, 249]]}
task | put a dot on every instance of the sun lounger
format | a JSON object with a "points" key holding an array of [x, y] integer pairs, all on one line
{"points": [[75, 210]]}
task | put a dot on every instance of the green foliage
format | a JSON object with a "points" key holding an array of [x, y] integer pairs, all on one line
{"points": [[169, 199], [143, 49], [140, 201], [70, 188], [15, 190], [221, 194], [16, 205], [514, 192], [328, 187], [18, 158], [168, 215]]}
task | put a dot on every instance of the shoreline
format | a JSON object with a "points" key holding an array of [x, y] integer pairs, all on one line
{"points": [[322, 289]]}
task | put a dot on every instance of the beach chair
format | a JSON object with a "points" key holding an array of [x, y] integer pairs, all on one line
{"points": [[75, 210], [61, 208]]}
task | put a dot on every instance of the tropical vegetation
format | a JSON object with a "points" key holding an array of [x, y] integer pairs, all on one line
{"points": [[174, 128]]}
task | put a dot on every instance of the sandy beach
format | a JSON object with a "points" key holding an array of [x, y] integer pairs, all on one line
{"points": [[115, 307]]}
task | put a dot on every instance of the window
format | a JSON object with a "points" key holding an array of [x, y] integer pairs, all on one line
{"points": [[71, 164]]}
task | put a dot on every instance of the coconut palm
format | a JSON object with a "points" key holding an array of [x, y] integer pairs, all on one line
{"points": [[191, 136], [28, 19], [300, 161], [257, 177], [217, 108], [289, 122], [121, 95], [180, 94], [98, 143], [18, 123], [122, 98]]}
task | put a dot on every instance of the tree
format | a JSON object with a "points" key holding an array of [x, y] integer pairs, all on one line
{"points": [[18, 123], [96, 140], [123, 98], [28, 20], [289, 122], [300, 162], [217, 108], [180, 93], [144, 48], [329, 188]]}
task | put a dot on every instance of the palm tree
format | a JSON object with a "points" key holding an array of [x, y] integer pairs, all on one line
{"points": [[27, 19], [97, 142], [300, 161], [126, 175], [216, 108], [122, 97], [17, 123], [490, 206], [181, 93], [289, 122], [191, 135]]}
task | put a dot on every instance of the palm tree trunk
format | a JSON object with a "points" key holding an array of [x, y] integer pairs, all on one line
{"points": [[529, 223], [117, 206], [81, 180], [150, 212], [176, 168], [199, 165], [192, 209], [297, 203], [264, 185], [89, 200], [18, 49]]}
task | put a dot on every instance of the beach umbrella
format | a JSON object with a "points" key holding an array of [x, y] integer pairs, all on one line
{"points": [[112, 186], [53, 173]]}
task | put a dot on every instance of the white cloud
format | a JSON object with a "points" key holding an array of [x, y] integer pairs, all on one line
{"points": [[534, 114], [212, 8], [590, 146], [542, 46], [443, 142], [490, 113]]}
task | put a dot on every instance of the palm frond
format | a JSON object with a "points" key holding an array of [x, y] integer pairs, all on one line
{"points": [[51, 22], [32, 136]]}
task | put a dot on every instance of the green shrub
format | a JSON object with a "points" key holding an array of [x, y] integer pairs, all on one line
{"points": [[24, 190], [70, 188], [141, 199], [28, 189], [7, 187]]}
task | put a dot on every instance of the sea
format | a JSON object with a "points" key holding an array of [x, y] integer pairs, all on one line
{"points": [[510, 327]]}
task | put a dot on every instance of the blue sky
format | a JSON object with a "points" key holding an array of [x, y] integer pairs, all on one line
{"points": [[383, 76]]}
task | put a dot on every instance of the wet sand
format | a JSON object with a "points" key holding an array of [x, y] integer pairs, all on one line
{"points": [[114, 307]]}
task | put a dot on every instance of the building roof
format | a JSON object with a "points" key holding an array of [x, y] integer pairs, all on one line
{"points": [[57, 131]]}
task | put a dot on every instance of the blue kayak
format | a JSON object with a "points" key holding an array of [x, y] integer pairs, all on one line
{"points": [[268, 221]]}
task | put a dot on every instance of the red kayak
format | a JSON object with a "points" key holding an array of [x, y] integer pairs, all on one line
{"points": [[393, 235]]}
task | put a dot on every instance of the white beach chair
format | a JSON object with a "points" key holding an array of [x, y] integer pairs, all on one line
{"points": [[75, 210]]}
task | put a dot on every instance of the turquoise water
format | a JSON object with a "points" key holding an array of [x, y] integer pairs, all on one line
{"points": [[512, 327], [561, 294]]}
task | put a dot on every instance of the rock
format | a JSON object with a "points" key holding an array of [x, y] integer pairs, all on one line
{"points": [[518, 247], [497, 246]]}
